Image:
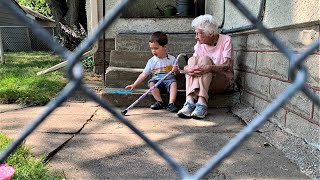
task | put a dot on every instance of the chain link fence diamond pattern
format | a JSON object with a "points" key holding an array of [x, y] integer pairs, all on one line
{"points": [[298, 74]]}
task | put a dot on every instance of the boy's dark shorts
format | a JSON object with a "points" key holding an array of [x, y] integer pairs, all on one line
{"points": [[164, 86]]}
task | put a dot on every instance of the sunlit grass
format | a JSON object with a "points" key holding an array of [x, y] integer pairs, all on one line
{"points": [[26, 165], [19, 82]]}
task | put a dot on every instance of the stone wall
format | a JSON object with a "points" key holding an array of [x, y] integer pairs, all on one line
{"points": [[143, 25], [278, 13], [146, 8], [139, 42], [261, 72], [98, 56]]}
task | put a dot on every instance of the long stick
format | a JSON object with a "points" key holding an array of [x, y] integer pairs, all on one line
{"points": [[124, 112]]}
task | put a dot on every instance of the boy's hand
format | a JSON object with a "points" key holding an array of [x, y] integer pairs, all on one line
{"points": [[131, 86], [175, 68]]}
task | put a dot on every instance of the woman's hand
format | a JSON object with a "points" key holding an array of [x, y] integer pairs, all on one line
{"points": [[197, 70], [205, 68]]}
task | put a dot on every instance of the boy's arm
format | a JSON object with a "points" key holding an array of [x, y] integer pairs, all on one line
{"points": [[139, 80]]}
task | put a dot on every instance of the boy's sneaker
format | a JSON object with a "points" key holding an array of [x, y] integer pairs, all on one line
{"points": [[187, 109], [200, 111], [172, 107], [158, 105]]}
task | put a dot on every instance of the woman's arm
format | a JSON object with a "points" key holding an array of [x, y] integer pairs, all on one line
{"points": [[192, 70], [199, 70], [228, 63]]}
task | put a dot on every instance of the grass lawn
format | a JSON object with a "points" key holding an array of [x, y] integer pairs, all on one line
{"points": [[19, 82], [26, 165]]}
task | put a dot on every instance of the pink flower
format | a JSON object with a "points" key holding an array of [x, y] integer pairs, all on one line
{"points": [[6, 172]]}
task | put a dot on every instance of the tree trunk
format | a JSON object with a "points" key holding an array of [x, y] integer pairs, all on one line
{"points": [[71, 20]]}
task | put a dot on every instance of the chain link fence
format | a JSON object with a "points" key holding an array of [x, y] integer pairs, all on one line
{"points": [[36, 43], [19, 38], [297, 69]]}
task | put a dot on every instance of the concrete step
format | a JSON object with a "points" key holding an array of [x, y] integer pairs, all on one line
{"points": [[136, 59], [129, 59], [120, 98], [182, 43], [117, 77]]}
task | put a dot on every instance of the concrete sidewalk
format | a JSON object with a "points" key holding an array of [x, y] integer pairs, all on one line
{"points": [[86, 142]]}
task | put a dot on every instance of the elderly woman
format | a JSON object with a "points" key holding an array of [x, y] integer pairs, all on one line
{"points": [[209, 70]]}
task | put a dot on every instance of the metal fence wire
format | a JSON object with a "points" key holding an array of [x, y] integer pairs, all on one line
{"points": [[15, 39], [18, 38], [298, 73]]}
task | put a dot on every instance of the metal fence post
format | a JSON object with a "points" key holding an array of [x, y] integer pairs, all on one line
{"points": [[1, 49]]}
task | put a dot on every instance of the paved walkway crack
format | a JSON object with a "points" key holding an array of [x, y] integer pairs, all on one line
{"points": [[56, 150]]}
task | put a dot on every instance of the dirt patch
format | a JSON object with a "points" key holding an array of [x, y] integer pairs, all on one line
{"points": [[93, 81], [93, 78]]}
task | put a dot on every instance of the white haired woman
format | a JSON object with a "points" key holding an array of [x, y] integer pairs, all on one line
{"points": [[209, 70]]}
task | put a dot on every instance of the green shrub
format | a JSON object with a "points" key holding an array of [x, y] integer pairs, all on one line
{"points": [[88, 63]]}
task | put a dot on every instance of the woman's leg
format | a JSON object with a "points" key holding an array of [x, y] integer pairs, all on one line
{"points": [[196, 88], [220, 82], [191, 85], [203, 81], [200, 110], [191, 82]]}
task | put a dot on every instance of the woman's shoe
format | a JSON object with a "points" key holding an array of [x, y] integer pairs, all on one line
{"points": [[186, 111], [200, 111]]}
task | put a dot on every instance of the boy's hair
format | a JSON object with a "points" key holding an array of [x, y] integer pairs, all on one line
{"points": [[159, 37]]}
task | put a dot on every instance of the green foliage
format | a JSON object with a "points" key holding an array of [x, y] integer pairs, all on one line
{"points": [[88, 63], [19, 82], [40, 6], [25, 164]]}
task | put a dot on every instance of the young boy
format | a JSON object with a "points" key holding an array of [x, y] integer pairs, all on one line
{"points": [[159, 65]]}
